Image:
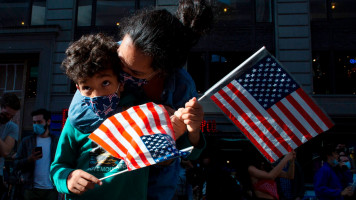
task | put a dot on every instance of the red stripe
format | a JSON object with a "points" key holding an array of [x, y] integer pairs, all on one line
{"points": [[128, 137], [248, 120], [305, 115], [242, 128], [285, 127], [139, 133], [260, 117], [315, 108], [168, 120], [143, 117], [103, 144], [294, 120], [113, 139], [156, 117]]}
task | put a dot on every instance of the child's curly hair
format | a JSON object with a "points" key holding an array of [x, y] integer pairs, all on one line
{"points": [[89, 55]]}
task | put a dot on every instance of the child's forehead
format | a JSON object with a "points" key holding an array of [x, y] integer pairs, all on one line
{"points": [[108, 73]]}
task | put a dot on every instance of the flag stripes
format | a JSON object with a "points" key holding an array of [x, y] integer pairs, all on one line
{"points": [[286, 125], [121, 135]]}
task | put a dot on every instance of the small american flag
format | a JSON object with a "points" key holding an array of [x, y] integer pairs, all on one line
{"points": [[141, 136], [268, 106]]}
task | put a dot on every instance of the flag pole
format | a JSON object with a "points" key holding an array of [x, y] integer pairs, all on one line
{"points": [[231, 75], [114, 174]]}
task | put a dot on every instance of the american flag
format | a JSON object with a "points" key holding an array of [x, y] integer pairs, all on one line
{"points": [[269, 107], [141, 136]]}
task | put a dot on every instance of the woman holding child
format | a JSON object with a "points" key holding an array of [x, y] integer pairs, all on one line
{"points": [[154, 48]]}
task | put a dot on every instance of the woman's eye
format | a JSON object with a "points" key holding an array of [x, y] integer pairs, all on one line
{"points": [[106, 83]]}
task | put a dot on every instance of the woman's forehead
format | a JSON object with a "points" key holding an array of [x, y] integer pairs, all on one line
{"points": [[133, 58]]}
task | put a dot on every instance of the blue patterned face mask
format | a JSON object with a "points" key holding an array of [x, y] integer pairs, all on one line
{"points": [[103, 106], [39, 129], [131, 82]]}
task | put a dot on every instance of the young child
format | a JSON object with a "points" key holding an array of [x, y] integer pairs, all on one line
{"points": [[92, 63]]}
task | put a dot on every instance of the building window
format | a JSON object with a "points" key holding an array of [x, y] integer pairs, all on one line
{"points": [[343, 9], [85, 8], [38, 12], [318, 9], [263, 11], [14, 13], [107, 13], [332, 9], [110, 12], [334, 72], [243, 11]]}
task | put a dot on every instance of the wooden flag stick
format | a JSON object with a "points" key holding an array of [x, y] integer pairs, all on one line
{"points": [[126, 170]]}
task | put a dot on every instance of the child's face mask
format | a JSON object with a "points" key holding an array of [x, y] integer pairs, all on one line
{"points": [[103, 106]]}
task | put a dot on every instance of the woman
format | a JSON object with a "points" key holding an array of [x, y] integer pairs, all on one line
{"points": [[155, 45], [263, 175]]}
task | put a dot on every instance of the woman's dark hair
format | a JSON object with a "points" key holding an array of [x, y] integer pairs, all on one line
{"points": [[167, 38], [89, 55]]}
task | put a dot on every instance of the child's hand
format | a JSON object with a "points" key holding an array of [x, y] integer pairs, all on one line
{"points": [[80, 181]]}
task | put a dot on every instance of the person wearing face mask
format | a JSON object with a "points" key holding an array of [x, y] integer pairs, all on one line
{"points": [[328, 180], [9, 131], [154, 48], [34, 157]]}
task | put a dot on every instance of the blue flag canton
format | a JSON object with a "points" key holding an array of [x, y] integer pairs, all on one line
{"points": [[161, 146], [267, 82]]}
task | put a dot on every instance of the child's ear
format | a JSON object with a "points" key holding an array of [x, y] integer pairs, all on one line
{"points": [[77, 86]]}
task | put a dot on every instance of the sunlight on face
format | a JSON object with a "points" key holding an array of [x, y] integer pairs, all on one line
{"points": [[134, 62], [101, 84]]}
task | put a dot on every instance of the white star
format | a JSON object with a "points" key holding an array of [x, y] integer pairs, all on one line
{"points": [[268, 59], [274, 64], [254, 70], [261, 65]]}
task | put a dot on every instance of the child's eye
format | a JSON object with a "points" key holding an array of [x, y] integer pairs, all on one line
{"points": [[106, 83], [86, 88]]}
